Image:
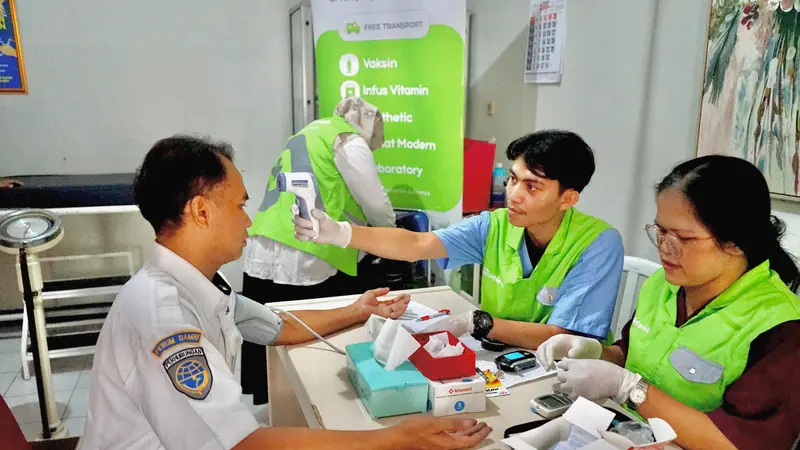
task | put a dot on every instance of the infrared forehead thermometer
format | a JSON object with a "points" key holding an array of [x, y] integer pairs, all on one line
{"points": [[301, 184]]}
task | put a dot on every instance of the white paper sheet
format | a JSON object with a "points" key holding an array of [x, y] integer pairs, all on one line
{"points": [[415, 310]]}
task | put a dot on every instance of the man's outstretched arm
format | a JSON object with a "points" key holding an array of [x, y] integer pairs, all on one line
{"points": [[330, 321], [391, 243]]}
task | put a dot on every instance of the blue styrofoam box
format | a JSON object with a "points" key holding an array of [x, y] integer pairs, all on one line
{"points": [[385, 393]]}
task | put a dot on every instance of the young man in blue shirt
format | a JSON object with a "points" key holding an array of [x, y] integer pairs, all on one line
{"points": [[547, 268]]}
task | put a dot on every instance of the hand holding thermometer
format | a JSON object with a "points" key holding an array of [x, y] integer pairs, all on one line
{"points": [[441, 313], [301, 184]]}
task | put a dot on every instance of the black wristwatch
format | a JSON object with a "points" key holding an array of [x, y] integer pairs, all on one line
{"points": [[483, 324]]}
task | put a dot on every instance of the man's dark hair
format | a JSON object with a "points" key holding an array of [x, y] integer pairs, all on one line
{"points": [[556, 155], [174, 171]]}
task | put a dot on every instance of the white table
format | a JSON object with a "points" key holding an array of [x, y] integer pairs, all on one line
{"points": [[308, 384]]}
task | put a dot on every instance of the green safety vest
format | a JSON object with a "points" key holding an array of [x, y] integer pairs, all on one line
{"points": [[504, 291], [695, 363], [311, 150]]}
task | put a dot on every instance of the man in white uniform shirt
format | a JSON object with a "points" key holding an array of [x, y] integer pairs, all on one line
{"points": [[278, 267], [163, 368]]}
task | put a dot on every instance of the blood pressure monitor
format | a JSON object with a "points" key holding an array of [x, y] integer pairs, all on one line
{"points": [[34, 230], [516, 361], [551, 405]]}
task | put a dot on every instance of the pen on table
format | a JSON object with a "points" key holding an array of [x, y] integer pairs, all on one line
{"points": [[441, 313]]}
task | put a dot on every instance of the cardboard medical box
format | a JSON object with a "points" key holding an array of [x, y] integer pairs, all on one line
{"points": [[383, 392], [462, 395], [585, 424]]}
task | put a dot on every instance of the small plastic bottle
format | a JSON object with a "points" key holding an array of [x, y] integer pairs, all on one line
{"points": [[498, 197]]}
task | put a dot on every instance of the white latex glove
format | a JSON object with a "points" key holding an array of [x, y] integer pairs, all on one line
{"points": [[595, 379], [330, 231], [567, 346], [458, 324]]}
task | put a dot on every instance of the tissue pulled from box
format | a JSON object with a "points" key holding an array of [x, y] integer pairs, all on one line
{"points": [[439, 346], [373, 326], [393, 345]]}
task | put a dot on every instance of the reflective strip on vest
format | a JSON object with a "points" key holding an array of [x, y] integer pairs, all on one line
{"points": [[301, 162]]}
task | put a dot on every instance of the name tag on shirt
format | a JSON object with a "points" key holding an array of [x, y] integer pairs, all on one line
{"points": [[175, 339]]}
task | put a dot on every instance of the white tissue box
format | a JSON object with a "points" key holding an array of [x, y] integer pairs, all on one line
{"points": [[462, 395]]}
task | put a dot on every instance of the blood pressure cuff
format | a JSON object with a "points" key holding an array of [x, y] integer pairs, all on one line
{"points": [[257, 323]]}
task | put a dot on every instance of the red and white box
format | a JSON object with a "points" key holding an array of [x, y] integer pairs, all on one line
{"points": [[462, 395], [446, 368]]}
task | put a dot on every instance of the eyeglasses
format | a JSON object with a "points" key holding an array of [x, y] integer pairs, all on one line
{"points": [[673, 245]]}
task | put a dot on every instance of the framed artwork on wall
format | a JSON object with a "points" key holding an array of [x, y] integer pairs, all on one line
{"points": [[750, 106], [12, 68]]}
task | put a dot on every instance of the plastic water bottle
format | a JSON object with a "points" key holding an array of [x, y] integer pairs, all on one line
{"points": [[498, 198]]}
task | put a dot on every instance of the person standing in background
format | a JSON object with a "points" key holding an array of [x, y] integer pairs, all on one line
{"points": [[278, 267]]}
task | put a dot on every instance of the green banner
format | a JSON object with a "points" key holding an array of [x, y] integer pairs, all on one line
{"points": [[406, 58]]}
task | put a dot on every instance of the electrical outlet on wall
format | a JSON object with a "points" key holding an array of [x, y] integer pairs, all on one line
{"points": [[490, 108]]}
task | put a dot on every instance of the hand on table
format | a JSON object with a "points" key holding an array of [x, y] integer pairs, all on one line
{"points": [[595, 379], [368, 304], [430, 433]]}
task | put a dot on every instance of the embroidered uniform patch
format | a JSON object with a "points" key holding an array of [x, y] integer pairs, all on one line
{"points": [[175, 339], [190, 373]]}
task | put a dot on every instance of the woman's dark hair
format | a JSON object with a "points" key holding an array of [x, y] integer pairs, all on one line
{"points": [[731, 198]]}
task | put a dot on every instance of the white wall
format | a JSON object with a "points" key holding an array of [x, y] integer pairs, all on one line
{"points": [[107, 79], [498, 33], [668, 130]]}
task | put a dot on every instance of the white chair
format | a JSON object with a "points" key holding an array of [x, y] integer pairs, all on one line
{"points": [[634, 269]]}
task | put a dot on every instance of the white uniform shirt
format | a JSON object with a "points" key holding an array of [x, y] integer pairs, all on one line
{"points": [[271, 260], [164, 364]]}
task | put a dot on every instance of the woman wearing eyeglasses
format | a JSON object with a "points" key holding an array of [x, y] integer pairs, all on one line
{"points": [[714, 345]]}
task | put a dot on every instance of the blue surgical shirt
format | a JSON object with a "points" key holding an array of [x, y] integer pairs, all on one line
{"points": [[585, 300]]}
